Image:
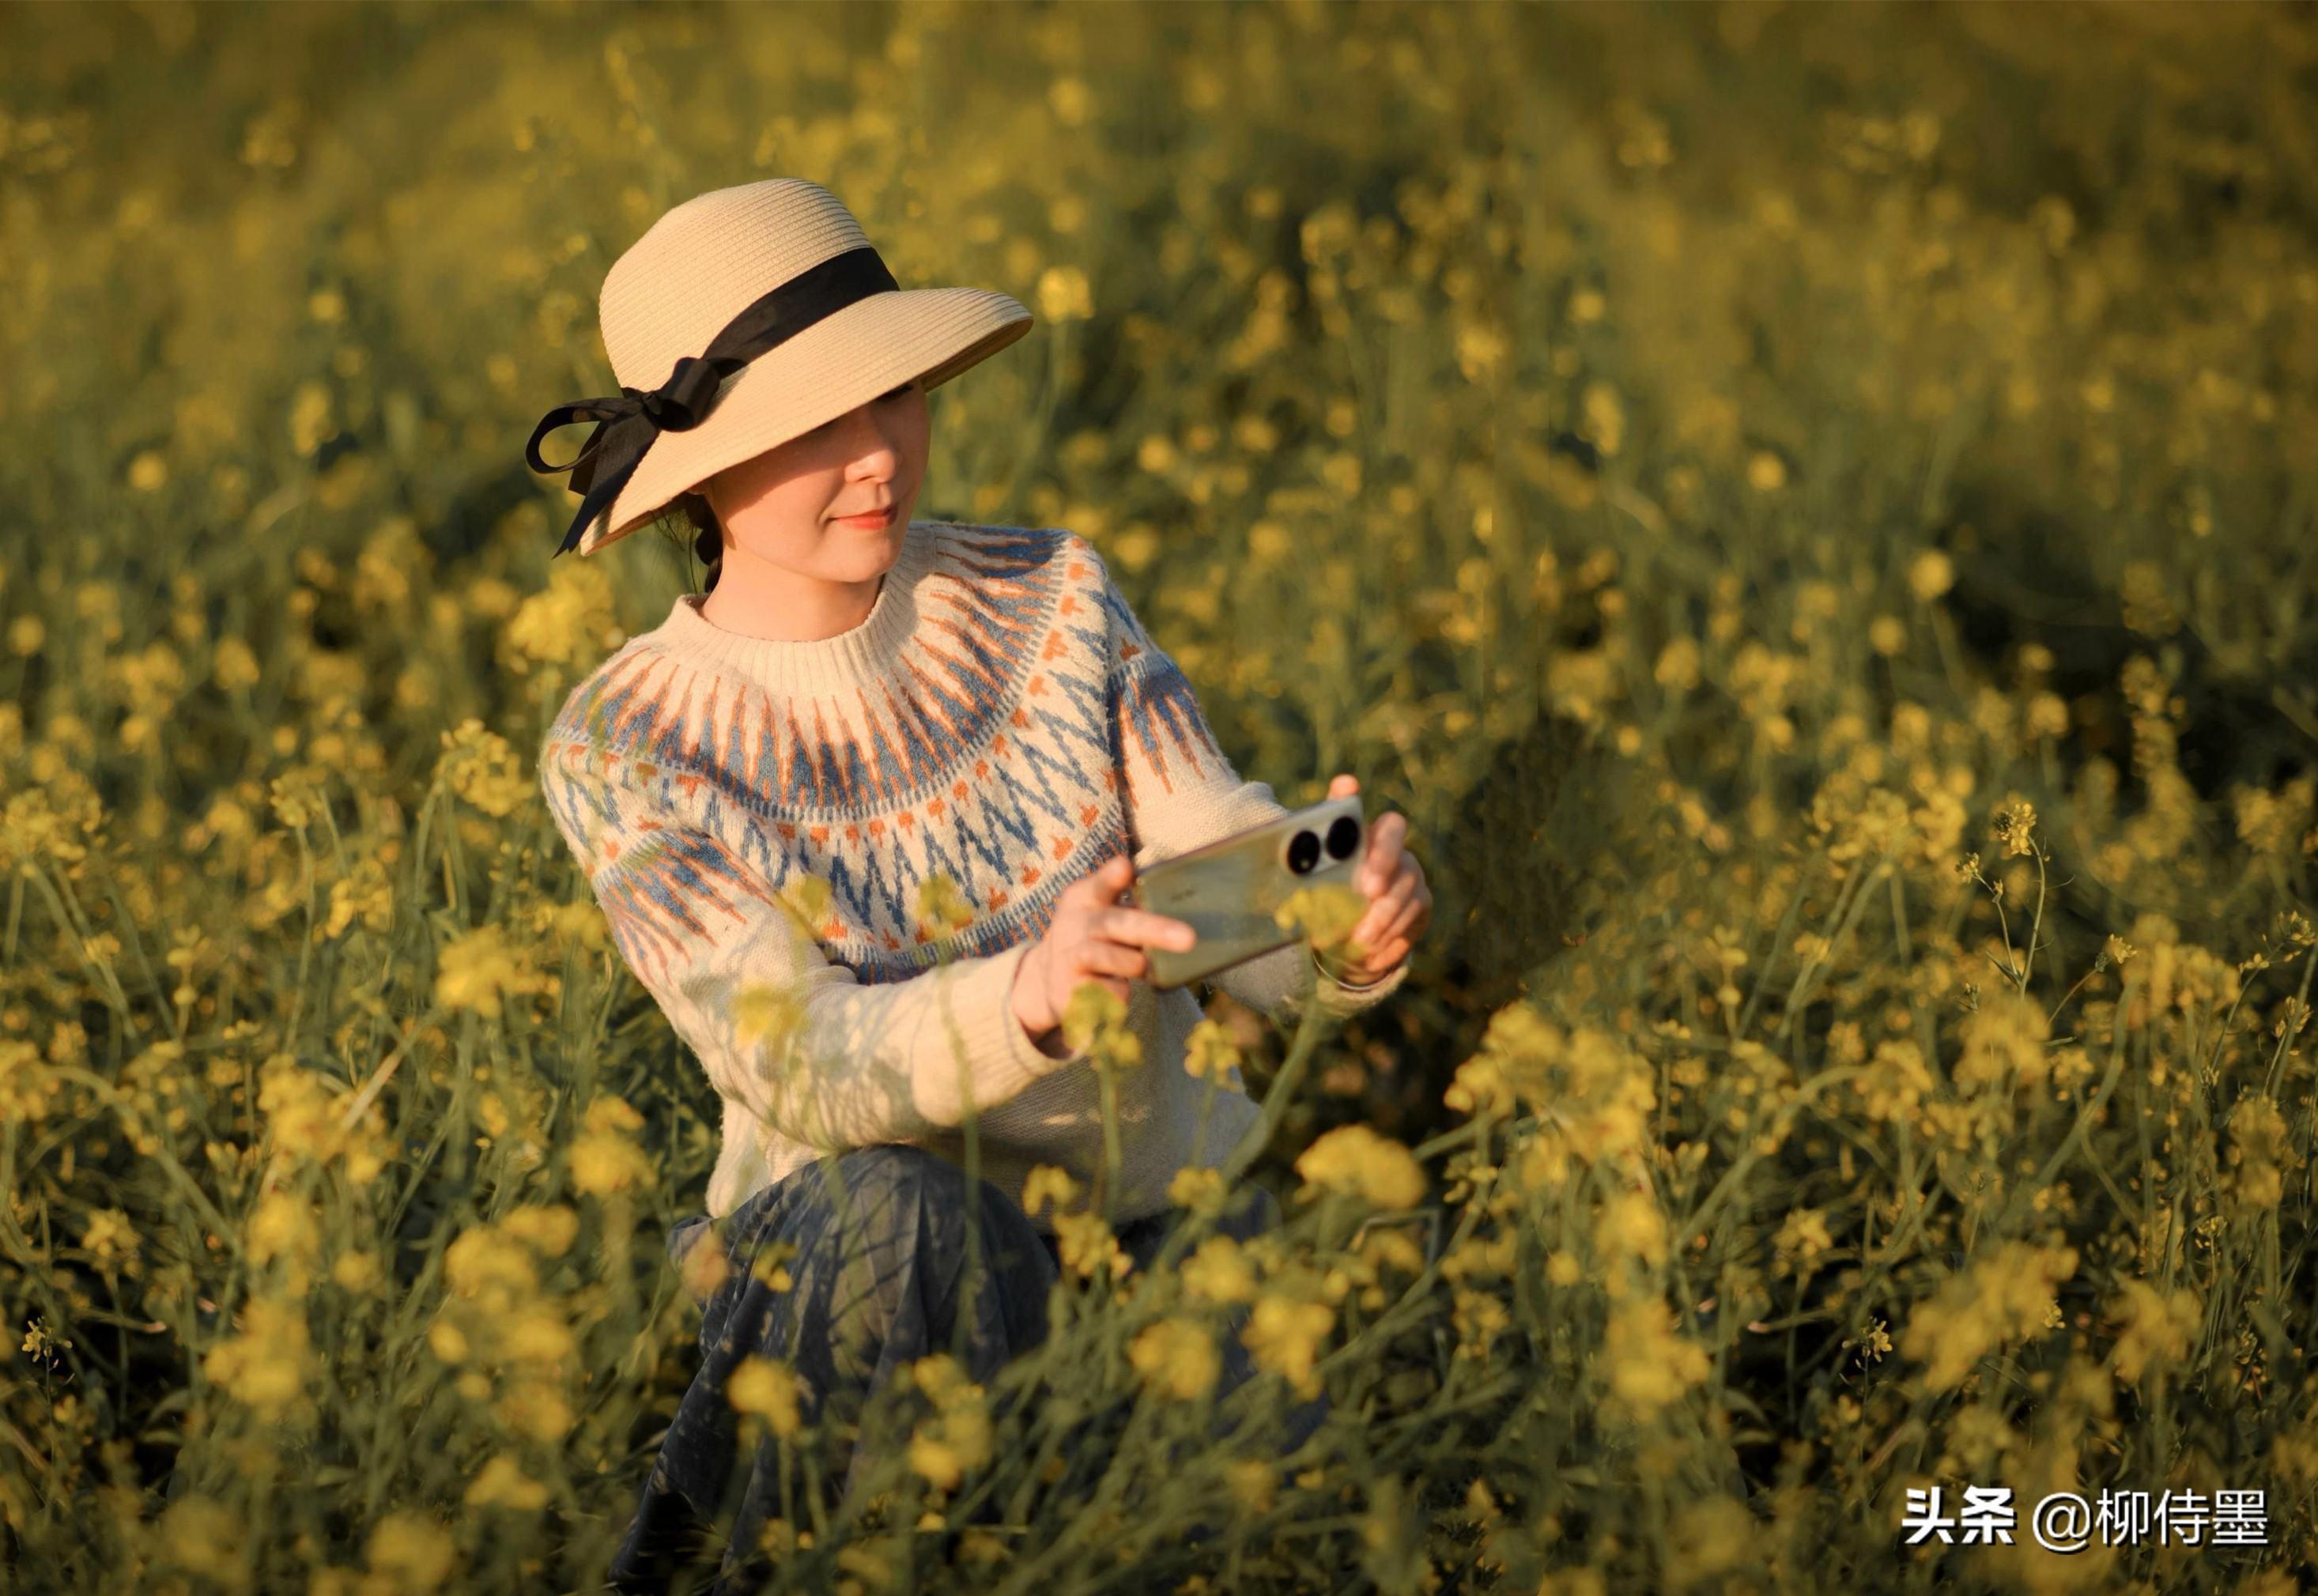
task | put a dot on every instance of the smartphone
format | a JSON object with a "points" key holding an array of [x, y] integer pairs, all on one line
{"points": [[1229, 890]]}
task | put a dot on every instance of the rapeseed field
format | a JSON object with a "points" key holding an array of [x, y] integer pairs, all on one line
{"points": [[1812, 512]]}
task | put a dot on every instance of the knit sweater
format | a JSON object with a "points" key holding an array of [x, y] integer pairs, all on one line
{"points": [[1001, 718]]}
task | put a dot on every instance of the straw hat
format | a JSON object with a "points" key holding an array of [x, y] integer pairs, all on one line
{"points": [[742, 319]]}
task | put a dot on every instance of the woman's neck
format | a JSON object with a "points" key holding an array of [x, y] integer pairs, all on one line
{"points": [[755, 599]]}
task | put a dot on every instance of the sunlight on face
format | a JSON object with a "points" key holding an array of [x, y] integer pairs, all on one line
{"points": [[785, 505]]}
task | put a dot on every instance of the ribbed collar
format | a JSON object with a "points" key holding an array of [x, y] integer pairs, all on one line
{"points": [[825, 666]]}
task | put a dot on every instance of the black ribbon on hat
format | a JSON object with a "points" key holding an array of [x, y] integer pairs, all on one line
{"points": [[628, 424]]}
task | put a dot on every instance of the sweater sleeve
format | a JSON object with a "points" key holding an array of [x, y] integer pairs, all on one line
{"points": [[700, 926], [1182, 794]]}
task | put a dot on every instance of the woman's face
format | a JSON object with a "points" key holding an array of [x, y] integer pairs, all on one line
{"points": [[785, 505]]}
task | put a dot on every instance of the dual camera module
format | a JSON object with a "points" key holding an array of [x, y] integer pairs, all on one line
{"points": [[1304, 848]]}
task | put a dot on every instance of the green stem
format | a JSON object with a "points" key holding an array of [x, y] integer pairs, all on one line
{"points": [[100, 975], [1747, 1160], [1279, 1095]]}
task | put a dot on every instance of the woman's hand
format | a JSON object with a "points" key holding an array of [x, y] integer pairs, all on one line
{"points": [[1093, 936], [1400, 901]]}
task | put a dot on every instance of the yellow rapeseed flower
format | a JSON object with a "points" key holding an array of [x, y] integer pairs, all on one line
{"points": [[483, 1263], [110, 1237], [1651, 1363], [2006, 1296], [26, 1082], [1356, 1161], [767, 1387], [285, 1226], [1197, 1189], [209, 1539], [569, 623], [1930, 574], [309, 422], [1801, 1238], [410, 1553], [611, 1114], [477, 969], [942, 909], [1087, 1242], [1177, 1357], [536, 1409], [1325, 915], [358, 1272], [1631, 1226], [266, 1364], [1254, 1484], [1710, 1538], [2014, 825], [548, 1229], [769, 1268], [1064, 294], [1095, 1018], [364, 893], [1898, 1083], [503, 1483], [809, 897], [767, 1016], [2159, 1328], [2004, 1039], [957, 1438], [605, 1162], [1045, 1182], [2259, 1154], [1284, 1333], [478, 766], [1221, 1270], [1210, 1051], [540, 1337]]}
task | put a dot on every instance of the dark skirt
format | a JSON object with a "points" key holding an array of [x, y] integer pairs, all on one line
{"points": [[877, 1280]]}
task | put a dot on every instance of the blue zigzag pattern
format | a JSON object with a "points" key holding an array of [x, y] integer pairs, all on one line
{"points": [[989, 752]]}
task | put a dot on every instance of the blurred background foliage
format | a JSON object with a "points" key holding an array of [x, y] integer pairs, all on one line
{"points": [[1704, 465]]}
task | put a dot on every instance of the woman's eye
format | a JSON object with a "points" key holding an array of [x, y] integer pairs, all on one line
{"points": [[890, 394]]}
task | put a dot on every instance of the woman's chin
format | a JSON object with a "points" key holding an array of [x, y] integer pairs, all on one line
{"points": [[875, 542]]}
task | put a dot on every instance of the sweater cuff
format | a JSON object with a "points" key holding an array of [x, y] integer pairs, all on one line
{"points": [[1340, 998], [1004, 1058]]}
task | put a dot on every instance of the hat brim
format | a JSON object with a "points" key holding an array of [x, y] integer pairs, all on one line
{"points": [[836, 364]]}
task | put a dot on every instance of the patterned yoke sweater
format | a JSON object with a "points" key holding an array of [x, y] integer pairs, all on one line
{"points": [[1001, 718]]}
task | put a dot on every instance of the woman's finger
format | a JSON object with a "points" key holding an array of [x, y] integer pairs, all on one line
{"points": [[1139, 928], [1377, 964], [1101, 884], [1384, 851], [1100, 957], [1405, 925], [1115, 984], [1386, 909], [1103, 979]]}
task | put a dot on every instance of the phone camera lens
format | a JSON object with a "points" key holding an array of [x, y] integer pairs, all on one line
{"points": [[1303, 853], [1344, 837]]}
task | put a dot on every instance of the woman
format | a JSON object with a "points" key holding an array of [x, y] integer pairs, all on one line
{"points": [[758, 787]]}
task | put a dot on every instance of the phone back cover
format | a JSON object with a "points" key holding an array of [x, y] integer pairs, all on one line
{"points": [[1228, 893]]}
